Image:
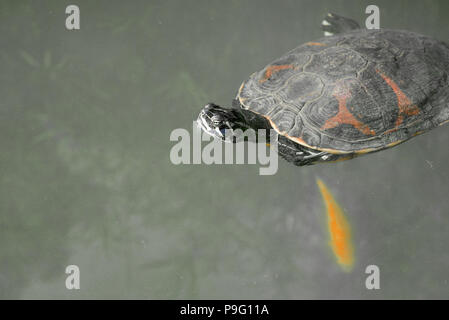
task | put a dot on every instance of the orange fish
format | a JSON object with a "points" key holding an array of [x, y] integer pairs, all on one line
{"points": [[339, 229]]}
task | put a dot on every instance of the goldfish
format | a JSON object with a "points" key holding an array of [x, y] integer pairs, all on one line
{"points": [[339, 229]]}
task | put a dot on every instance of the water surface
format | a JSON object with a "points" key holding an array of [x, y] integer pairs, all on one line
{"points": [[86, 179]]}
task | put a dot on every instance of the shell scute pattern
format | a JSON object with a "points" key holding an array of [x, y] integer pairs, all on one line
{"points": [[274, 75], [345, 117], [335, 63], [300, 88], [265, 104], [363, 90], [284, 119]]}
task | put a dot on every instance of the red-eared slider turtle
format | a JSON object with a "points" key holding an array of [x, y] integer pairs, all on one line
{"points": [[354, 92]]}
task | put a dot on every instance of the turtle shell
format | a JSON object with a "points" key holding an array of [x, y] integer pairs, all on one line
{"points": [[359, 91]]}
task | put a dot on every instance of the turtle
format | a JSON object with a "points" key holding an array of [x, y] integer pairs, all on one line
{"points": [[353, 92]]}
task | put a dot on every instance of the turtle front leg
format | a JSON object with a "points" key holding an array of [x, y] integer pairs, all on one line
{"points": [[301, 156], [296, 153], [335, 24]]}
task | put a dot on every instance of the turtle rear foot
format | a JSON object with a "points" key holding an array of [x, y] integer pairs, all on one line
{"points": [[335, 24]]}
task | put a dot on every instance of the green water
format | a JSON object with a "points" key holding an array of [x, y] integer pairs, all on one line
{"points": [[86, 179]]}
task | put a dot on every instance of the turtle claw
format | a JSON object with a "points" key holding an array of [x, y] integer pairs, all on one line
{"points": [[335, 24]]}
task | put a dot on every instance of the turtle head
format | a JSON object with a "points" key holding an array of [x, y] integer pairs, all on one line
{"points": [[218, 122]]}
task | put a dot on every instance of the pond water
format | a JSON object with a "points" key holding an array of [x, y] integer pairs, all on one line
{"points": [[86, 176]]}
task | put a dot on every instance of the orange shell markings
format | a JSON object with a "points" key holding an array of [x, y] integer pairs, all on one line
{"points": [[404, 104], [344, 116], [273, 69], [315, 44]]}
